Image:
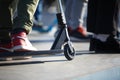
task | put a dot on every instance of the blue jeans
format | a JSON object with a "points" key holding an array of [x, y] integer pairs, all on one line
{"points": [[74, 13], [38, 13]]}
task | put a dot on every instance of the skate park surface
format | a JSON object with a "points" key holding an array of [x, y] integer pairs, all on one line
{"points": [[57, 67]]}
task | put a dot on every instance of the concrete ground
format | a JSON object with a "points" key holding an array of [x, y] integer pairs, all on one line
{"points": [[57, 67]]}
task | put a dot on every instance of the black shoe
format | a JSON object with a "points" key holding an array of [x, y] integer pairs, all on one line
{"points": [[92, 44], [110, 46]]}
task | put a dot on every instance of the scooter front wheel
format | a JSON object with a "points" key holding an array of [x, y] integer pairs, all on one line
{"points": [[69, 52]]}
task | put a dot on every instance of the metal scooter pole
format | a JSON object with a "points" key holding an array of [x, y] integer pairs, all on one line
{"points": [[62, 36]]}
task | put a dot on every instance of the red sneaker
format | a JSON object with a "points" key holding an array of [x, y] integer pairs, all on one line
{"points": [[21, 42], [6, 47], [80, 33]]}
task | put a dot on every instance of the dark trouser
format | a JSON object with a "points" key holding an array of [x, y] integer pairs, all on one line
{"points": [[22, 19], [102, 16]]}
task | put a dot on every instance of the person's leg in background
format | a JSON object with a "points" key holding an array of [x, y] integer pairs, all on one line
{"points": [[102, 22], [22, 25], [84, 14], [119, 19], [73, 10], [38, 15], [68, 11], [91, 20]]}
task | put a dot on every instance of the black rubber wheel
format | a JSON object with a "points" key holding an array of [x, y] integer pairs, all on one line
{"points": [[69, 52]]}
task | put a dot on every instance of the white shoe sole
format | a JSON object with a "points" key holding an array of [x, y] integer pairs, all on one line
{"points": [[24, 48]]}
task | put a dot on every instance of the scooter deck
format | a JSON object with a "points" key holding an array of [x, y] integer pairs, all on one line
{"points": [[30, 53], [45, 53]]}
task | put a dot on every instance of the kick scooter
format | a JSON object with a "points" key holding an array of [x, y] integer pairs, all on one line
{"points": [[61, 44]]}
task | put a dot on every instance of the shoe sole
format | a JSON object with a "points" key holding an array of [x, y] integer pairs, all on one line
{"points": [[24, 48]]}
